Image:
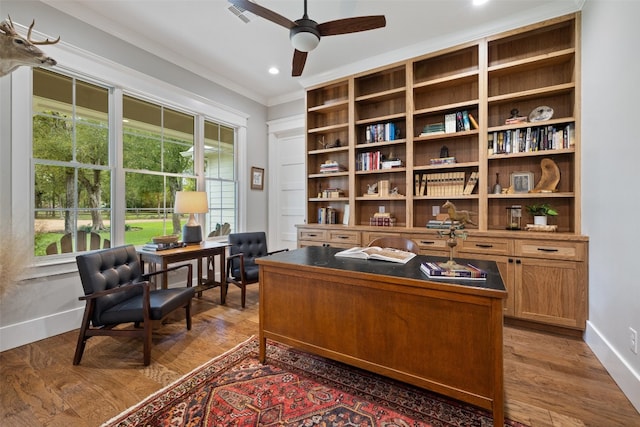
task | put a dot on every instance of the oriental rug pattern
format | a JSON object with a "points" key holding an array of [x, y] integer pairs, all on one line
{"points": [[294, 388]]}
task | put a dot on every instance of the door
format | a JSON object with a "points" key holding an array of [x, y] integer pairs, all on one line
{"points": [[287, 192]]}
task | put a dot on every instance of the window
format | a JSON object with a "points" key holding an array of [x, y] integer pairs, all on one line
{"points": [[72, 176], [158, 146], [219, 172], [76, 169]]}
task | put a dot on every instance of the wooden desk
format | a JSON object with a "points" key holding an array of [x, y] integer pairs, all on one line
{"points": [[207, 250], [389, 319]]}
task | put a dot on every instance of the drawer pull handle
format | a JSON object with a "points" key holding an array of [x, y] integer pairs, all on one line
{"points": [[424, 242], [484, 246], [312, 235], [342, 237], [548, 250]]}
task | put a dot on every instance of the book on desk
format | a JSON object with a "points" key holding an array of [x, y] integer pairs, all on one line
{"points": [[377, 253], [443, 270]]}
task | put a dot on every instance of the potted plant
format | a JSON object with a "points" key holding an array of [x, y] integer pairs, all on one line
{"points": [[540, 213]]}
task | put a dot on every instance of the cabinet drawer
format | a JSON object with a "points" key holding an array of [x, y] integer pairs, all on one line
{"points": [[484, 246], [572, 251], [430, 242], [314, 235], [342, 236]]}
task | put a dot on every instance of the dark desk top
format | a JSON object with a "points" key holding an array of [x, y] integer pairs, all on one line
{"points": [[320, 256]]}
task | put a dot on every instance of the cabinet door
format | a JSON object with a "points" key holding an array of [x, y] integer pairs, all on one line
{"points": [[552, 292], [506, 267]]}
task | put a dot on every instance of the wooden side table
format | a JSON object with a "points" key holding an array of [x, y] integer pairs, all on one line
{"points": [[204, 250]]}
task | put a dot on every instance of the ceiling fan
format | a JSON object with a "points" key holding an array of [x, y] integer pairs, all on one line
{"points": [[305, 33]]}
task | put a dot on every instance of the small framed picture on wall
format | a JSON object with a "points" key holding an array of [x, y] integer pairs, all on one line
{"points": [[257, 178]]}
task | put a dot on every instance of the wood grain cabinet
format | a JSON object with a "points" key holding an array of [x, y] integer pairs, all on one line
{"points": [[380, 129]]}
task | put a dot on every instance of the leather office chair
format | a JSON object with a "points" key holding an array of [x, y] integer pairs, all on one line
{"points": [[396, 243], [117, 292], [242, 269]]}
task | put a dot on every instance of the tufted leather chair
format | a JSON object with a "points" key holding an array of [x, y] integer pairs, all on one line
{"points": [[242, 269], [117, 292]]}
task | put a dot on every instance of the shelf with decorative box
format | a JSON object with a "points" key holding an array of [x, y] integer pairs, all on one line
{"points": [[445, 126]]}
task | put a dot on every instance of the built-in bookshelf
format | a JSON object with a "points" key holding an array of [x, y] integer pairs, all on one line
{"points": [[386, 129]]}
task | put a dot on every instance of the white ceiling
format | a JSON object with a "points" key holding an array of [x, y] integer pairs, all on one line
{"points": [[203, 36]]}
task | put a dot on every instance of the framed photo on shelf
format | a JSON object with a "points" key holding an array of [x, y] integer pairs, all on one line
{"points": [[257, 178], [522, 182]]}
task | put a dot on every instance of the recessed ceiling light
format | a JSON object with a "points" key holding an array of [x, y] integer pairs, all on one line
{"points": [[274, 70], [479, 2]]}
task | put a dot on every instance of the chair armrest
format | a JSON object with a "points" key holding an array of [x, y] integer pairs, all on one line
{"points": [[146, 276], [278, 251], [229, 262], [121, 288]]}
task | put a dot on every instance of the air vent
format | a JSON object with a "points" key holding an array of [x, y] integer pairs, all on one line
{"points": [[239, 12]]}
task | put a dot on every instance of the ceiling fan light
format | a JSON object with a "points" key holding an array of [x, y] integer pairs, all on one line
{"points": [[304, 41]]}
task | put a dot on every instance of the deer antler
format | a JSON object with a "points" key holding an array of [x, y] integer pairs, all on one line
{"points": [[7, 28], [47, 41]]}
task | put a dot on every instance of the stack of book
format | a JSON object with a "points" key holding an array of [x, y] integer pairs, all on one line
{"points": [[330, 166], [442, 161], [331, 193], [382, 219], [161, 246], [443, 270], [433, 129], [437, 224]]}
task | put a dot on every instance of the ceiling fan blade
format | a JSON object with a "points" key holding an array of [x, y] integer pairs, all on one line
{"points": [[264, 13], [352, 25], [299, 59]]}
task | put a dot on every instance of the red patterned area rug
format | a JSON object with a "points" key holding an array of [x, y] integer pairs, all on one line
{"points": [[294, 388]]}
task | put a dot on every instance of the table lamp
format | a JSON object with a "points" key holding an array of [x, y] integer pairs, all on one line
{"points": [[191, 202]]}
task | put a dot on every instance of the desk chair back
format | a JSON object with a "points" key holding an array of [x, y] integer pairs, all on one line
{"points": [[396, 243], [244, 248]]}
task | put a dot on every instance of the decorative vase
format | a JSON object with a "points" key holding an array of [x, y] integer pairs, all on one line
{"points": [[540, 219]]}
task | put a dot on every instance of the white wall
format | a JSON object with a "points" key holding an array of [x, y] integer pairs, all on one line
{"points": [[46, 303], [610, 192]]}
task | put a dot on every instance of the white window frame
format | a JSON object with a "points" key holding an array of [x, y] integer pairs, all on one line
{"points": [[81, 64]]}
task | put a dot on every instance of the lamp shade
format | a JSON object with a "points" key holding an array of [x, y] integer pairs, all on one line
{"points": [[191, 202]]}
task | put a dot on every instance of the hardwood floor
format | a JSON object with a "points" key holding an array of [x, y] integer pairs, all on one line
{"points": [[549, 380]]}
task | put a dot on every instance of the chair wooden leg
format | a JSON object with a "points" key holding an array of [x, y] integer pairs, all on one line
{"points": [[187, 310], [147, 342], [82, 335], [244, 294]]}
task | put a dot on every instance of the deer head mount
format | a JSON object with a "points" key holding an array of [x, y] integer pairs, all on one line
{"points": [[15, 50]]}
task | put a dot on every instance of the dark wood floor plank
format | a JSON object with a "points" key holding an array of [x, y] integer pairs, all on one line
{"points": [[550, 380]]}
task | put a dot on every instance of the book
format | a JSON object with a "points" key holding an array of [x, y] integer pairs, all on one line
{"points": [[450, 123], [471, 183], [441, 270], [473, 121], [377, 253]]}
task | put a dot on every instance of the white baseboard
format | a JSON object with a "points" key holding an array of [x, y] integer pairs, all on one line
{"points": [[18, 334], [627, 379]]}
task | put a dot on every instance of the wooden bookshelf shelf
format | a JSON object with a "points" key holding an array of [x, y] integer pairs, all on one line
{"points": [[521, 69]]}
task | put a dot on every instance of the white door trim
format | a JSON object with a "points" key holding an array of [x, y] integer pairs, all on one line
{"points": [[281, 128]]}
